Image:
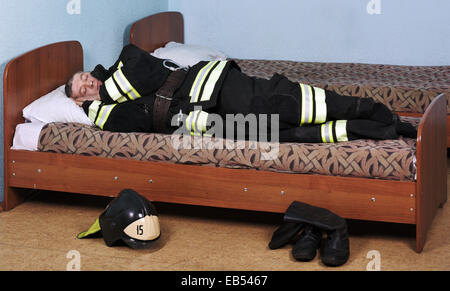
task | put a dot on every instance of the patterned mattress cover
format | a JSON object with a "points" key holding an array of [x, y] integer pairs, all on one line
{"points": [[385, 159], [401, 88]]}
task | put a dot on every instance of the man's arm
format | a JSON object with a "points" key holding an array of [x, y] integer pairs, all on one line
{"points": [[116, 87]]}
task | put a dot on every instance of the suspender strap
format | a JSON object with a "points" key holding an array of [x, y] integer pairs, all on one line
{"points": [[163, 98]]}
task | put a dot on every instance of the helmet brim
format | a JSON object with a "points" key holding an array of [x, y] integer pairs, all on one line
{"points": [[139, 244]]}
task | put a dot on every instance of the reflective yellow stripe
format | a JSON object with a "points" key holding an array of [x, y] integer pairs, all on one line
{"points": [[199, 79], [195, 116], [125, 85], [327, 132], [93, 109], [120, 65], [321, 105], [122, 99], [196, 122], [189, 121], [307, 104], [302, 114], [112, 89], [105, 111], [341, 130], [212, 80]]}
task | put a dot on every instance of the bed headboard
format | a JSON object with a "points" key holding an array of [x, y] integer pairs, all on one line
{"points": [[34, 74], [156, 30]]}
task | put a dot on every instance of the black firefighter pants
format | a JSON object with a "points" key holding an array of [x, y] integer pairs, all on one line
{"points": [[307, 113]]}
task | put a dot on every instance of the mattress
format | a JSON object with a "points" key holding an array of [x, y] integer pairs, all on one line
{"points": [[382, 159], [400, 88]]}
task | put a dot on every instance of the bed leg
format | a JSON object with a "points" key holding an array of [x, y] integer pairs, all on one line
{"points": [[14, 196], [420, 239]]}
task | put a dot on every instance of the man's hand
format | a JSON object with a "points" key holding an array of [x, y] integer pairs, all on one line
{"points": [[80, 100]]}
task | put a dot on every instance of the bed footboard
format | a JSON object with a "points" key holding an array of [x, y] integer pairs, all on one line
{"points": [[431, 185]]}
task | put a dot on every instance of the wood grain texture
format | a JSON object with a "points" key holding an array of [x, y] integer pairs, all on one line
{"points": [[155, 31], [358, 198], [431, 155], [447, 132], [27, 78]]}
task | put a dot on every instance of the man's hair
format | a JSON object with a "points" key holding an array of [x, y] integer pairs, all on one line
{"points": [[68, 88]]}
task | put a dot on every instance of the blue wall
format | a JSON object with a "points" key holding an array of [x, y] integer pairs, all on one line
{"points": [[406, 32], [101, 26]]}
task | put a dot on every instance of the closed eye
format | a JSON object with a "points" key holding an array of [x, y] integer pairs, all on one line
{"points": [[82, 90]]}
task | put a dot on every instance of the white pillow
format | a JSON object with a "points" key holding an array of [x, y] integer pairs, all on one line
{"points": [[188, 54], [55, 107]]}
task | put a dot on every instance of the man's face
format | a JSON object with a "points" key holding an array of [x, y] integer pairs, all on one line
{"points": [[84, 85]]}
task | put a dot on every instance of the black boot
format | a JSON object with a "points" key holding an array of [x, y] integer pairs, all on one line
{"points": [[404, 128], [305, 248], [336, 249], [284, 234]]}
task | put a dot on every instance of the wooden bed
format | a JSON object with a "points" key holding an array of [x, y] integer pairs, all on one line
{"points": [[37, 72]]}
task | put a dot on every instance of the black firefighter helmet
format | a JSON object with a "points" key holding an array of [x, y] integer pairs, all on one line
{"points": [[129, 218]]}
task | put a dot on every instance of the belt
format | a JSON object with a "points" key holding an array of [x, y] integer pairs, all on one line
{"points": [[163, 98]]}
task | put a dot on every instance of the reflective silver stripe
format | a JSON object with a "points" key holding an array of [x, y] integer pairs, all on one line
{"points": [[201, 121], [327, 132], [93, 109], [112, 90], [104, 114], [189, 121], [341, 130], [212, 80], [199, 79], [307, 104], [196, 122], [307, 107], [321, 105], [125, 84]]}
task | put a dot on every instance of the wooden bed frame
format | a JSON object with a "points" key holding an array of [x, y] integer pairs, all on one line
{"points": [[39, 71]]}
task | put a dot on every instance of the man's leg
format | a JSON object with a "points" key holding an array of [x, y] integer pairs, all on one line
{"points": [[339, 130], [302, 104], [367, 116], [349, 107]]}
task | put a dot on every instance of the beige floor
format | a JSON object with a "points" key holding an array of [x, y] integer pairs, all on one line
{"points": [[40, 235]]}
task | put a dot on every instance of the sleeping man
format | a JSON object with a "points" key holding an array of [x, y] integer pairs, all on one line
{"points": [[141, 93]]}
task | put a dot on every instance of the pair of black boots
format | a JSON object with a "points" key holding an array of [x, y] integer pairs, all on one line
{"points": [[313, 220]]}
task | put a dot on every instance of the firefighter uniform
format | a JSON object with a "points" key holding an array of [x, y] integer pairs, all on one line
{"points": [[129, 95]]}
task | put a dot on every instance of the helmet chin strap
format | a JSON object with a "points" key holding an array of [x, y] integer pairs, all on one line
{"points": [[173, 66]]}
